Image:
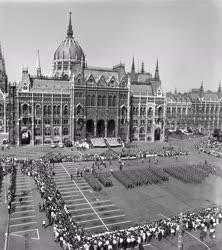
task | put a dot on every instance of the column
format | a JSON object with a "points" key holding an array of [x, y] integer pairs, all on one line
{"points": [[4, 121], [18, 122], [42, 121], [33, 123], [95, 123], [106, 123]]}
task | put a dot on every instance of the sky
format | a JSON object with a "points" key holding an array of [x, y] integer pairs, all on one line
{"points": [[185, 36]]}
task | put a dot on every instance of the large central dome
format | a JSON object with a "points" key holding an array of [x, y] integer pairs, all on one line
{"points": [[67, 54], [69, 49]]}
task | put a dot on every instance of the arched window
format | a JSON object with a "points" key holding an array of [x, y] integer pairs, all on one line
{"points": [[65, 110], [134, 110], [56, 131], [88, 100], [110, 101], [49, 110], [150, 111], [114, 101], [47, 131], [160, 111], [45, 110], [25, 109], [93, 101], [144, 111], [79, 110], [54, 110], [65, 131], [99, 100], [58, 110], [141, 111], [123, 111], [142, 131], [104, 101], [38, 110], [137, 111]]}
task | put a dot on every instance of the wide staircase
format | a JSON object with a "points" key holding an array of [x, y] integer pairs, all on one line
{"points": [[98, 143], [113, 142]]}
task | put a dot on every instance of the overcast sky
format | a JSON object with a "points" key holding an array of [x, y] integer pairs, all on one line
{"points": [[186, 36]]}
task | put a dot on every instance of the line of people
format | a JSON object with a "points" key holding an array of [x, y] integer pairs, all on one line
{"points": [[72, 236]]}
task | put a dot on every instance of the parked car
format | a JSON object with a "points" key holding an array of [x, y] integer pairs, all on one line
{"points": [[53, 145], [61, 145]]}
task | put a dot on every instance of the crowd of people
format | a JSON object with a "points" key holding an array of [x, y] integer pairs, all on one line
{"points": [[210, 146], [72, 236], [10, 168]]}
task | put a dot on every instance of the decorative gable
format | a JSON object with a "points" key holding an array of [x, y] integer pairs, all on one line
{"points": [[25, 85], [90, 80], [159, 92], [112, 82], [102, 81]]}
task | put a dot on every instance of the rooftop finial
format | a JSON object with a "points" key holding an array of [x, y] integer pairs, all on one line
{"points": [[38, 67], [70, 31], [133, 66], [157, 74]]}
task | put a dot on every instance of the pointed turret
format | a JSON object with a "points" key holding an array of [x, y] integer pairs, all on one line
{"points": [[3, 75], [219, 90], [69, 30], [133, 66], [157, 74], [142, 67], [133, 71], [38, 67], [201, 90]]}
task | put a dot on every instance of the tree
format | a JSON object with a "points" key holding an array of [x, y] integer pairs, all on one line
{"points": [[217, 133]]}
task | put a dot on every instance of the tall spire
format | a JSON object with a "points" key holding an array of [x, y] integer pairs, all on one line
{"points": [[201, 90], [219, 92], [38, 67], [142, 67], [69, 30], [133, 72], [3, 75], [133, 66], [157, 74], [1, 56]]}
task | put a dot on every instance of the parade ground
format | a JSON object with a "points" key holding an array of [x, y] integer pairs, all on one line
{"points": [[113, 207]]}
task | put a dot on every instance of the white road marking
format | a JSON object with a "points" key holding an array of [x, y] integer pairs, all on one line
{"points": [[110, 205], [17, 202], [86, 198], [114, 216], [109, 211], [16, 233], [18, 218], [31, 205], [80, 199], [93, 202], [78, 204], [85, 221], [22, 224], [81, 209], [87, 228], [32, 210], [81, 215]]}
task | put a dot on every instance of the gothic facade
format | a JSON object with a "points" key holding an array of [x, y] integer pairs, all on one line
{"points": [[198, 110], [78, 101], [3, 95]]}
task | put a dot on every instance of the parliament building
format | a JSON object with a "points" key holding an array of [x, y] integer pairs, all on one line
{"points": [[78, 101], [81, 102]]}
